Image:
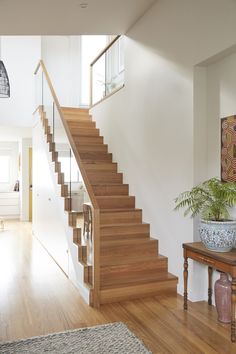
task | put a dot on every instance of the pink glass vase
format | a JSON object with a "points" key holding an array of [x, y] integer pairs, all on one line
{"points": [[223, 298]]}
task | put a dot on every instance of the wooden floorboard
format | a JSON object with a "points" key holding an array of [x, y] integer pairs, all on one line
{"points": [[36, 298]]}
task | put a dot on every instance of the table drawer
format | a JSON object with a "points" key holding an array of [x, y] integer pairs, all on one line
{"points": [[210, 262], [202, 259]]}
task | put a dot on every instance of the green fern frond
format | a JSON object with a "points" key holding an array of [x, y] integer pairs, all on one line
{"points": [[211, 199]]}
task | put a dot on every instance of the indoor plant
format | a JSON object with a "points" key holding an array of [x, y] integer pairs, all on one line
{"points": [[212, 200]]}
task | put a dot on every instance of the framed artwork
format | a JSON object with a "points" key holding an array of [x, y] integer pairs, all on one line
{"points": [[228, 149]]}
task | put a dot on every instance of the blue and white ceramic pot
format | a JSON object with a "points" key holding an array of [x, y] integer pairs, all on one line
{"points": [[218, 236]]}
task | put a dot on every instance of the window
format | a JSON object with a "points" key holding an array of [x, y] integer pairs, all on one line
{"points": [[4, 169]]}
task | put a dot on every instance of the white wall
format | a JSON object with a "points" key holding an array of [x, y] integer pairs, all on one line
{"points": [[61, 55], [50, 220], [149, 125], [25, 144], [47, 224], [20, 55], [12, 150], [221, 98]]}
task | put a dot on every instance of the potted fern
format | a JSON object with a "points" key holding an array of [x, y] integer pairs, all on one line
{"points": [[212, 200]]}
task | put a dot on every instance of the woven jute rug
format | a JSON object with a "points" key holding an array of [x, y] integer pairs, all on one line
{"points": [[113, 338]]}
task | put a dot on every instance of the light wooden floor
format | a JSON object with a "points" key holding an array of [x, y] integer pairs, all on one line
{"points": [[36, 298]]}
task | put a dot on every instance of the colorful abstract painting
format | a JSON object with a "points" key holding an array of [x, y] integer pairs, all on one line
{"points": [[228, 149]]}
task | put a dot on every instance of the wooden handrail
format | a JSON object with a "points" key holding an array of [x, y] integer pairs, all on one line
{"points": [[105, 50], [96, 245]]}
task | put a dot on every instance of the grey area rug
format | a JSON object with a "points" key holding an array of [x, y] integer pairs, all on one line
{"points": [[113, 338]]}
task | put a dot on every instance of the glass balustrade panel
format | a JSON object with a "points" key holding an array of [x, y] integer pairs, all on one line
{"points": [[108, 72], [99, 79], [77, 199], [115, 66]]}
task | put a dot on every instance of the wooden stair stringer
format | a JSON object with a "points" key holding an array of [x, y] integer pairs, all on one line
{"points": [[82, 252]]}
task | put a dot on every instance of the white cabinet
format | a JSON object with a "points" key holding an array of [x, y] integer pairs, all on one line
{"points": [[9, 204]]}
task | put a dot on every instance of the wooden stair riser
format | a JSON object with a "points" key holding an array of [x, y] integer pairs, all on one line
{"points": [[82, 254], [78, 110], [64, 190], [77, 236], [88, 274], [108, 177], [73, 110], [103, 190], [74, 118], [57, 165], [88, 140], [92, 148], [67, 204], [46, 129], [85, 132], [117, 294], [51, 147], [132, 230], [44, 120], [54, 156], [113, 217], [116, 202], [60, 178], [72, 218], [148, 270], [81, 124], [93, 157], [49, 138], [45, 124], [111, 253], [111, 167]]}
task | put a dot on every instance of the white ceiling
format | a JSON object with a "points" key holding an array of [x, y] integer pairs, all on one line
{"points": [[49, 17]]}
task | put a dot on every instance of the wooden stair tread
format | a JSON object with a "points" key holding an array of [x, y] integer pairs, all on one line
{"points": [[103, 211], [125, 231], [110, 185], [119, 260], [142, 259], [74, 109], [109, 243], [141, 289], [166, 277], [124, 225], [114, 196]]}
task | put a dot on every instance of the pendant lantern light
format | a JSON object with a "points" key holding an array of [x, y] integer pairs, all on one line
{"points": [[4, 81]]}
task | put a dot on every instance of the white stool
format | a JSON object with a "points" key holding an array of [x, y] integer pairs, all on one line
{"points": [[1, 224]]}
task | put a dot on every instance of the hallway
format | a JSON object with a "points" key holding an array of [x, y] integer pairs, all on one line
{"points": [[35, 295], [36, 298]]}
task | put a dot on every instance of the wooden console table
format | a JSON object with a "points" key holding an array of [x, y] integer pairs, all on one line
{"points": [[224, 262]]}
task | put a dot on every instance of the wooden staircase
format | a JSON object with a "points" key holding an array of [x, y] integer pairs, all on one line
{"points": [[130, 264]]}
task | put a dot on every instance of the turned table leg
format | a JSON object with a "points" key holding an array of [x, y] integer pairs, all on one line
{"points": [[233, 306], [185, 282], [210, 271]]}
